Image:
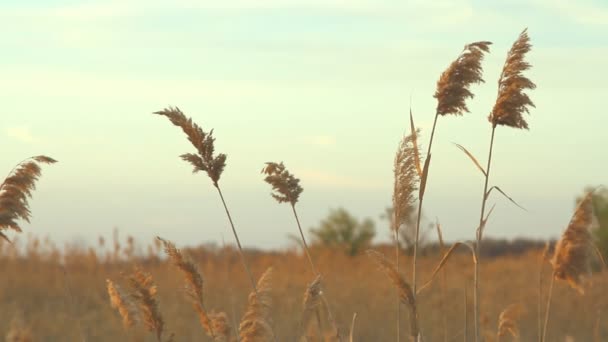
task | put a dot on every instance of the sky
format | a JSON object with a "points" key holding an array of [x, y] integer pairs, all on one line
{"points": [[323, 85]]}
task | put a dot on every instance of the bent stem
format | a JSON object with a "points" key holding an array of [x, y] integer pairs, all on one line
{"points": [[479, 236], [238, 242], [316, 273]]}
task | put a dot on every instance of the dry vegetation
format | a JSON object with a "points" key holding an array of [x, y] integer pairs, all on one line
{"points": [[321, 294], [36, 299]]}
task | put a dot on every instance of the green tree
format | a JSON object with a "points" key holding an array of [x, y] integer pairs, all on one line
{"points": [[600, 209], [341, 229]]}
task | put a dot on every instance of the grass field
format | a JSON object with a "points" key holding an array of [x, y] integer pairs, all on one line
{"points": [[58, 306]]}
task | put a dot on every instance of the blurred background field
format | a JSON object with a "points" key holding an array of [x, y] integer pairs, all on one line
{"points": [[57, 292]]}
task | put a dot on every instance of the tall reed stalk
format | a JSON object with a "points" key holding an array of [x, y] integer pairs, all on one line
{"points": [[508, 110], [286, 189], [407, 172], [451, 94], [206, 161]]}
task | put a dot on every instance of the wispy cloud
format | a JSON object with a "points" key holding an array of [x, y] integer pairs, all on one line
{"points": [[20, 133]]}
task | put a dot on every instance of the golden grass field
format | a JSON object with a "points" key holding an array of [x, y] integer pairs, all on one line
{"points": [[58, 306]]}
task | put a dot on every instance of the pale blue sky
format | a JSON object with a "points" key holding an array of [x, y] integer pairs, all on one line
{"points": [[322, 85]]}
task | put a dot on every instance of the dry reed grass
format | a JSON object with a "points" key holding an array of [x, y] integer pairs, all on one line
{"points": [[405, 291], [256, 324], [15, 190], [572, 253], [512, 102], [508, 321], [216, 325], [144, 295], [123, 304]]}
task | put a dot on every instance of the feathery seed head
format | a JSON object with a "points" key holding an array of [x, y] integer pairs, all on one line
{"points": [[144, 294], [286, 187], [15, 191], [406, 294], [256, 322], [453, 84], [512, 102], [572, 252], [203, 143], [508, 320], [123, 304], [406, 181]]}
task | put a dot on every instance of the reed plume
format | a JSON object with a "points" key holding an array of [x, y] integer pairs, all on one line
{"points": [[256, 324], [570, 259], [407, 172], [286, 189], [194, 283], [123, 304], [508, 321], [15, 191], [202, 141], [572, 252], [405, 291], [511, 102], [144, 294], [206, 161], [453, 84], [406, 180]]}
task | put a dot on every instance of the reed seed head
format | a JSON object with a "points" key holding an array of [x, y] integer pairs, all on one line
{"points": [[508, 321], [512, 102], [126, 308], [144, 294], [194, 282], [202, 141], [256, 324], [572, 252], [406, 294], [285, 186], [406, 181], [453, 84], [16, 190]]}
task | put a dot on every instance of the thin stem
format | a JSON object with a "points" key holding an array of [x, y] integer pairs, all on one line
{"points": [[442, 300], [479, 235], [540, 300], [314, 270], [398, 298], [238, 242], [306, 249], [420, 200], [548, 308], [352, 328], [68, 289], [466, 318]]}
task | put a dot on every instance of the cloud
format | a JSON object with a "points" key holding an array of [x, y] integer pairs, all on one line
{"points": [[20, 133]]}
